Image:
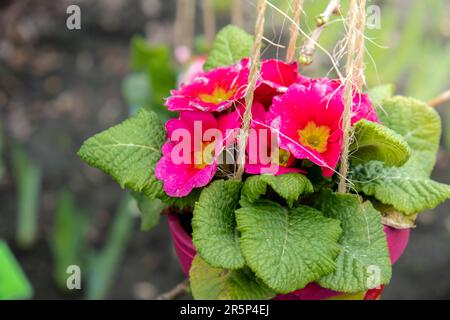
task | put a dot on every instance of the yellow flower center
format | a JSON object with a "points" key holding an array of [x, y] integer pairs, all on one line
{"points": [[314, 137], [283, 157], [205, 157], [219, 95]]}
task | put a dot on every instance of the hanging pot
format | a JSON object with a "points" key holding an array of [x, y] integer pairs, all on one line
{"points": [[397, 241]]}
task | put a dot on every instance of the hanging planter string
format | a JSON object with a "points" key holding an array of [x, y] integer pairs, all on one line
{"points": [[290, 53], [236, 13], [184, 23], [253, 76], [354, 71], [209, 22]]}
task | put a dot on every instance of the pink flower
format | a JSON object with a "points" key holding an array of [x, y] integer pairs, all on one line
{"points": [[263, 153], [280, 163], [362, 106], [308, 120], [215, 90], [260, 158], [308, 117], [276, 77], [190, 156]]}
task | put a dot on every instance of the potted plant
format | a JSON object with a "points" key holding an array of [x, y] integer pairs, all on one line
{"points": [[252, 173]]}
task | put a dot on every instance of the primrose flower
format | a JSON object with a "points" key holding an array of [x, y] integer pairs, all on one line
{"points": [[215, 90], [276, 77], [362, 106], [308, 118], [276, 162], [190, 156], [262, 152]]}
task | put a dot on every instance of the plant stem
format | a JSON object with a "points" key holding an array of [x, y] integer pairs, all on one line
{"points": [[441, 99], [176, 293], [309, 47]]}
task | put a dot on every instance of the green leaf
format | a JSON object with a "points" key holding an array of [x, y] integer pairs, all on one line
{"points": [[407, 188], [289, 186], [214, 227], [418, 124], [181, 203], [13, 282], [150, 210], [404, 188], [363, 244], [379, 93], [28, 178], [377, 142], [67, 237], [129, 152], [231, 45], [155, 61], [287, 248], [103, 265], [209, 283]]}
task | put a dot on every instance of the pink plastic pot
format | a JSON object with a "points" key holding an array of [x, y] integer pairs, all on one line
{"points": [[397, 241]]}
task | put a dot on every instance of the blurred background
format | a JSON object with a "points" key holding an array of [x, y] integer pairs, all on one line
{"points": [[60, 86]]}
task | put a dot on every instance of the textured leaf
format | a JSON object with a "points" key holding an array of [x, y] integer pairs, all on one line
{"points": [[363, 244], [407, 188], [214, 227], [403, 188], [231, 45], [129, 152], [287, 249], [374, 141], [209, 283], [289, 186], [418, 124]]}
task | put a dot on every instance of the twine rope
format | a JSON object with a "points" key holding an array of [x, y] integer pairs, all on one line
{"points": [[209, 21], [184, 23], [253, 76], [290, 53], [237, 15], [354, 70]]}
